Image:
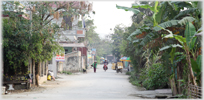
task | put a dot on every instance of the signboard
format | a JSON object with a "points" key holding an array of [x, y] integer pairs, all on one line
{"points": [[93, 53], [79, 31], [89, 56], [60, 57]]}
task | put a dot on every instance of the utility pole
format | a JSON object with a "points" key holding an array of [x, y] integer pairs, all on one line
{"points": [[31, 61], [32, 69]]}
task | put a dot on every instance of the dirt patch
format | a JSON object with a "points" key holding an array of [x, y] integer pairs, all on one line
{"points": [[44, 86], [32, 89]]}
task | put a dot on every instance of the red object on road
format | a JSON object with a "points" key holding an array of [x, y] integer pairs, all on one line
{"points": [[105, 67]]}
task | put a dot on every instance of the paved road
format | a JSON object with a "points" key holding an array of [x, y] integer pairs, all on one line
{"points": [[99, 85]]}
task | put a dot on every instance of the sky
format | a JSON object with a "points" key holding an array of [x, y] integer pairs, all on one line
{"points": [[108, 16]]}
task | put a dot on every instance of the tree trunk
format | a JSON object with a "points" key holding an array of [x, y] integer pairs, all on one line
{"points": [[33, 72], [38, 73], [173, 86], [29, 71], [190, 68], [181, 74], [178, 82]]}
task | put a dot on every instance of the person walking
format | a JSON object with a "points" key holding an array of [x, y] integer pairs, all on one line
{"points": [[94, 66]]}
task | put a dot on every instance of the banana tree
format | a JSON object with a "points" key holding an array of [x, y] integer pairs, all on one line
{"points": [[188, 43], [197, 68], [169, 16], [165, 14]]}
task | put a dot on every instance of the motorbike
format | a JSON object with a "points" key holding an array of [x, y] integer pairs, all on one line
{"points": [[105, 67], [119, 67]]}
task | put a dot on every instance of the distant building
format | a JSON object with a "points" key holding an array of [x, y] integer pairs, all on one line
{"points": [[70, 35]]}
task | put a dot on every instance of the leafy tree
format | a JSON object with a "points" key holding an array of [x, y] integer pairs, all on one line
{"points": [[168, 19], [38, 43], [93, 40], [117, 38]]}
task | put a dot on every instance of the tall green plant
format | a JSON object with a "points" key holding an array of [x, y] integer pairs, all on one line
{"points": [[188, 42], [156, 77]]}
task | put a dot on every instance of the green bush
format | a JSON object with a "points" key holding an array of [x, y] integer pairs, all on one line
{"points": [[128, 73], [136, 83], [67, 72], [133, 79], [156, 77]]}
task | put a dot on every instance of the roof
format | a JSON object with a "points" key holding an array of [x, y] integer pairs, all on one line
{"points": [[72, 44], [67, 38], [76, 4], [20, 15]]}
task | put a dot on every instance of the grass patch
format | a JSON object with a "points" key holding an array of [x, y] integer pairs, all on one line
{"points": [[66, 72], [128, 73], [133, 79]]}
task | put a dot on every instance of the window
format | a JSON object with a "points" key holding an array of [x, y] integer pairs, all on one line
{"points": [[66, 51]]}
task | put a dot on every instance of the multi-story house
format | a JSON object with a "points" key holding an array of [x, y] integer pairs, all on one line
{"points": [[70, 34]]}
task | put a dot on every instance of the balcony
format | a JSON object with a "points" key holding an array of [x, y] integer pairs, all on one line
{"points": [[71, 35]]}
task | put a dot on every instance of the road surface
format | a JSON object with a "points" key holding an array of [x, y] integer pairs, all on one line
{"points": [[99, 85]]}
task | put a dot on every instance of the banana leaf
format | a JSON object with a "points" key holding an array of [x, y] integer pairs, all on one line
{"points": [[190, 32], [128, 9], [195, 66]]}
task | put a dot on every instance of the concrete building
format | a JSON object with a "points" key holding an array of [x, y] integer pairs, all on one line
{"points": [[70, 34], [76, 58]]}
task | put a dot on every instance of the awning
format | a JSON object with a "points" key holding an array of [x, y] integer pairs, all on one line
{"points": [[125, 59], [102, 58], [128, 59]]}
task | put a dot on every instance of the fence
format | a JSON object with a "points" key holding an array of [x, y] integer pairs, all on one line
{"points": [[194, 91]]}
